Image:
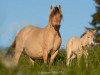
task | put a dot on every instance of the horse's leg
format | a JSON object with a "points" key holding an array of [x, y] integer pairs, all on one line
{"points": [[19, 49], [53, 55], [46, 50], [45, 55], [32, 61], [56, 46]]}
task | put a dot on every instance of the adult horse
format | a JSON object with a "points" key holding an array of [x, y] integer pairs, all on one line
{"points": [[37, 42], [76, 47]]}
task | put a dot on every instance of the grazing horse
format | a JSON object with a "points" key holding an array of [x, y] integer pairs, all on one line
{"points": [[37, 42], [76, 47]]}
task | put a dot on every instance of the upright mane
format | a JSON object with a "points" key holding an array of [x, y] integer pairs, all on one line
{"points": [[88, 30], [82, 34], [55, 10]]}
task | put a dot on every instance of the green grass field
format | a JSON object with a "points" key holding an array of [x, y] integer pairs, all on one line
{"points": [[58, 68]]}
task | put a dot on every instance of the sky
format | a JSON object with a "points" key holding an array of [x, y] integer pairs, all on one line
{"points": [[15, 14]]}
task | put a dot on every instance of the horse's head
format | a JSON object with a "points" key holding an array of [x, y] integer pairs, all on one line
{"points": [[89, 37], [55, 16]]}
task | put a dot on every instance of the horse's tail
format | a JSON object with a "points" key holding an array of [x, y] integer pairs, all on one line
{"points": [[7, 60], [11, 49]]}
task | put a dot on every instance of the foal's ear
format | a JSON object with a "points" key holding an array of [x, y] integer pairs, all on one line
{"points": [[86, 30], [94, 31]]}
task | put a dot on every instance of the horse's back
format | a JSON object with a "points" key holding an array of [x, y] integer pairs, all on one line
{"points": [[24, 32], [27, 29]]}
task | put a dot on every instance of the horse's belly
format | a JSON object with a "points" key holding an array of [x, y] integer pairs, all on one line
{"points": [[35, 54]]}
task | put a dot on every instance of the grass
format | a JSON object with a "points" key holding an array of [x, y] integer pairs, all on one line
{"points": [[58, 68]]}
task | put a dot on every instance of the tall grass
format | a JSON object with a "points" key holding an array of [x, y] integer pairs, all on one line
{"points": [[58, 67]]}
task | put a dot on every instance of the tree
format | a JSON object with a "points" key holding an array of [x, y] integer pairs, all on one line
{"points": [[96, 21]]}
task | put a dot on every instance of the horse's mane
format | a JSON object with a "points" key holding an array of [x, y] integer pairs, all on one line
{"points": [[55, 11]]}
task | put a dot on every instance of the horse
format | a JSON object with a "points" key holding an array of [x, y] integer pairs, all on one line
{"points": [[38, 42], [76, 47]]}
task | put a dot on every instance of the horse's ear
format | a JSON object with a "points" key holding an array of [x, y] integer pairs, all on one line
{"points": [[60, 7], [51, 7]]}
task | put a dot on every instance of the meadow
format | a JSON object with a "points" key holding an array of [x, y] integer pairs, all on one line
{"points": [[57, 68]]}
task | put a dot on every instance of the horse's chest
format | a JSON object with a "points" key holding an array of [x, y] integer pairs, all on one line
{"points": [[50, 39]]}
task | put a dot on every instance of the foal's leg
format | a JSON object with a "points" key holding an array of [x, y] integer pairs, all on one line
{"points": [[86, 56], [79, 55], [73, 56], [69, 55]]}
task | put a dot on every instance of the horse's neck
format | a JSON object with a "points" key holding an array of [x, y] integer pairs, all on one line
{"points": [[50, 28]]}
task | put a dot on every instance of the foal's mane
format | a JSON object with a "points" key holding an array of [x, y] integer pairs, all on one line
{"points": [[82, 34], [90, 30]]}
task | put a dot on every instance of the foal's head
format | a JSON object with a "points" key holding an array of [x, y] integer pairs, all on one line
{"points": [[55, 16], [89, 37]]}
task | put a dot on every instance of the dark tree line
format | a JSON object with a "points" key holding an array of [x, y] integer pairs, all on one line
{"points": [[96, 21]]}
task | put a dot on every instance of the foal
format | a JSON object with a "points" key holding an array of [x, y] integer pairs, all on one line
{"points": [[37, 42], [76, 47]]}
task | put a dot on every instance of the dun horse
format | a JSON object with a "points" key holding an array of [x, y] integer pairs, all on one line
{"points": [[37, 42], [76, 47]]}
